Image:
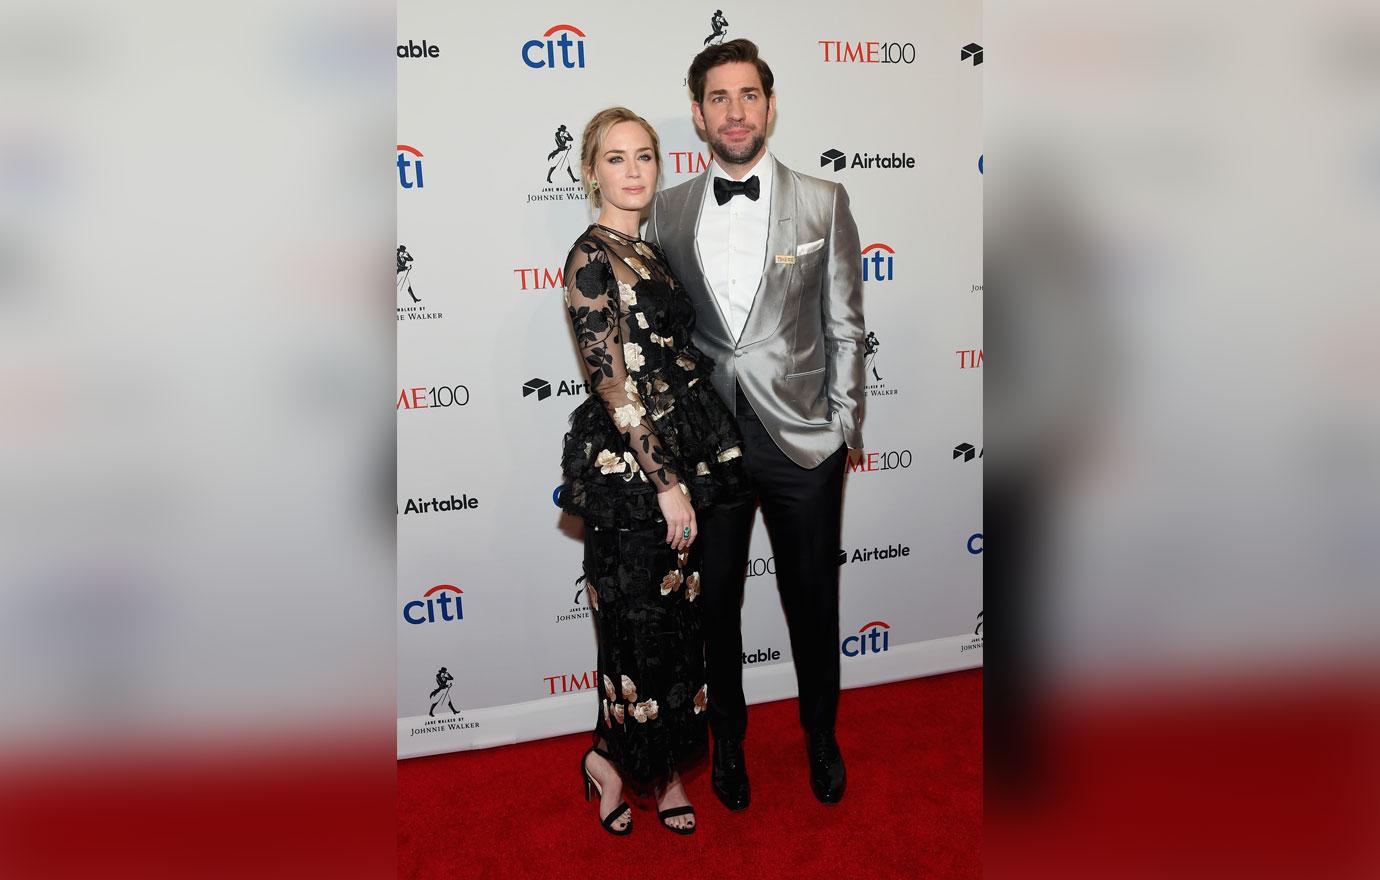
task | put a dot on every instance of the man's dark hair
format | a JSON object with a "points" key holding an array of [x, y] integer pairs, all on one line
{"points": [[726, 53]]}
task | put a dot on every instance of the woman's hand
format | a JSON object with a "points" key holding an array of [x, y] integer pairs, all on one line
{"points": [[676, 509]]}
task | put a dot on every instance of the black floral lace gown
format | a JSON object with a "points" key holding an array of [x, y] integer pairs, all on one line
{"points": [[653, 422]]}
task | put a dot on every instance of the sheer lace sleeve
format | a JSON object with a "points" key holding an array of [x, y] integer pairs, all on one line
{"points": [[595, 299]]}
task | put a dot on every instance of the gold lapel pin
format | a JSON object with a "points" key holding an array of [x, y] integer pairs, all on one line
{"points": [[785, 259]]}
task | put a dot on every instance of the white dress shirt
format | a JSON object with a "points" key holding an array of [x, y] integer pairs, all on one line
{"points": [[732, 241]]}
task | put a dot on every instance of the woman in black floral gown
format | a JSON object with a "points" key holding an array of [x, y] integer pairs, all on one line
{"points": [[651, 446]]}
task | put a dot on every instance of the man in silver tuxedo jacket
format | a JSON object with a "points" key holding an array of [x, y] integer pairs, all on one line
{"points": [[771, 261]]}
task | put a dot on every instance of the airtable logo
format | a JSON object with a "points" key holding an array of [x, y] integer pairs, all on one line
{"points": [[542, 388], [872, 638], [878, 262], [967, 452], [412, 50], [534, 57], [405, 163], [840, 160], [436, 604]]}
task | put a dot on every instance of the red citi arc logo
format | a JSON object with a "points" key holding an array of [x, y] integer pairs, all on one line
{"points": [[878, 262], [414, 164], [436, 603], [533, 57], [872, 638]]}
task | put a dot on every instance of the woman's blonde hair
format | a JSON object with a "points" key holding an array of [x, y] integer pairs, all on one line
{"points": [[593, 141]]}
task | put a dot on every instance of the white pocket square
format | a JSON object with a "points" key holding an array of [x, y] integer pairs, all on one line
{"points": [[809, 248]]}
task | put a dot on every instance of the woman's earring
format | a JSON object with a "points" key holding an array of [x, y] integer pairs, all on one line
{"points": [[594, 185]]}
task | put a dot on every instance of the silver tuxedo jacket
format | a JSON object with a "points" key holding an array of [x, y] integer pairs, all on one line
{"points": [[800, 358]]}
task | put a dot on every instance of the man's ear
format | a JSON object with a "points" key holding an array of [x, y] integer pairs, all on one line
{"points": [[697, 115]]}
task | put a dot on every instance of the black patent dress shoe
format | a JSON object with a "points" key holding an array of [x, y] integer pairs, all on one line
{"points": [[827, 776], [730, 774]]}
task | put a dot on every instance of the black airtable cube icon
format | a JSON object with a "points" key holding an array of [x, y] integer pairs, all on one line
{"points": [[833, 156], [539, 387]]}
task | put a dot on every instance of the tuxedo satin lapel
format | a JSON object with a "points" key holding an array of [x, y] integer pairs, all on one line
{"points": [[705, 302], [775, 285]]}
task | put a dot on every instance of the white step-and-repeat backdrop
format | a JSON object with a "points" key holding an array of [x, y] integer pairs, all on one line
{"points": [[495, 643]]}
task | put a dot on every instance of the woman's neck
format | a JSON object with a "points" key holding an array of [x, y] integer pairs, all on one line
{"points": [[627, 222]]}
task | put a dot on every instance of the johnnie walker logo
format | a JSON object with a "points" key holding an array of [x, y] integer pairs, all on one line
{"points": [[410, 306], [561, 182]]}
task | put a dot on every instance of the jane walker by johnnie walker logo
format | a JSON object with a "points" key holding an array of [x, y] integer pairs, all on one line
{"points": [[411, 307], [718, 30], [445, 716], [874, 384], [562, 184]]}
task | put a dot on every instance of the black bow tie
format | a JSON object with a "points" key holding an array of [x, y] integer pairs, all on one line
{"points": [[725, 189]]}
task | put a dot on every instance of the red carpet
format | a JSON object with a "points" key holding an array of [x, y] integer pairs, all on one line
{"points": [[913, 807]]}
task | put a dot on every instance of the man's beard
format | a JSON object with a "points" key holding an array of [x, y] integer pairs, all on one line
{"points": [[728, 156]]}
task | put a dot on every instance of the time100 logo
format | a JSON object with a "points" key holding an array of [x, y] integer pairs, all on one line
{"points": [[436, 397]]}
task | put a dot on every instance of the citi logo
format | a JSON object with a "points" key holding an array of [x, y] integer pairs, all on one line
{"points": [[973, 51], [436, 604], [542, 388], [975, 543], [967, 452], [881, 461], [969, 358], [534, 56], [688, 161], [570, 682], [839, 160], [872, 638], [538, 278], [867, 52], [413, 164], [878, 262], [436, 397], [412, 50]]}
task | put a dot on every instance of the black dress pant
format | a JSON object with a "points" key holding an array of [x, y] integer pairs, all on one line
{"points": [[802, 510]]}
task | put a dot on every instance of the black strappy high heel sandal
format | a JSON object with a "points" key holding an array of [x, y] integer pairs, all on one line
{"points": [[591, 786], [671, 813]]}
